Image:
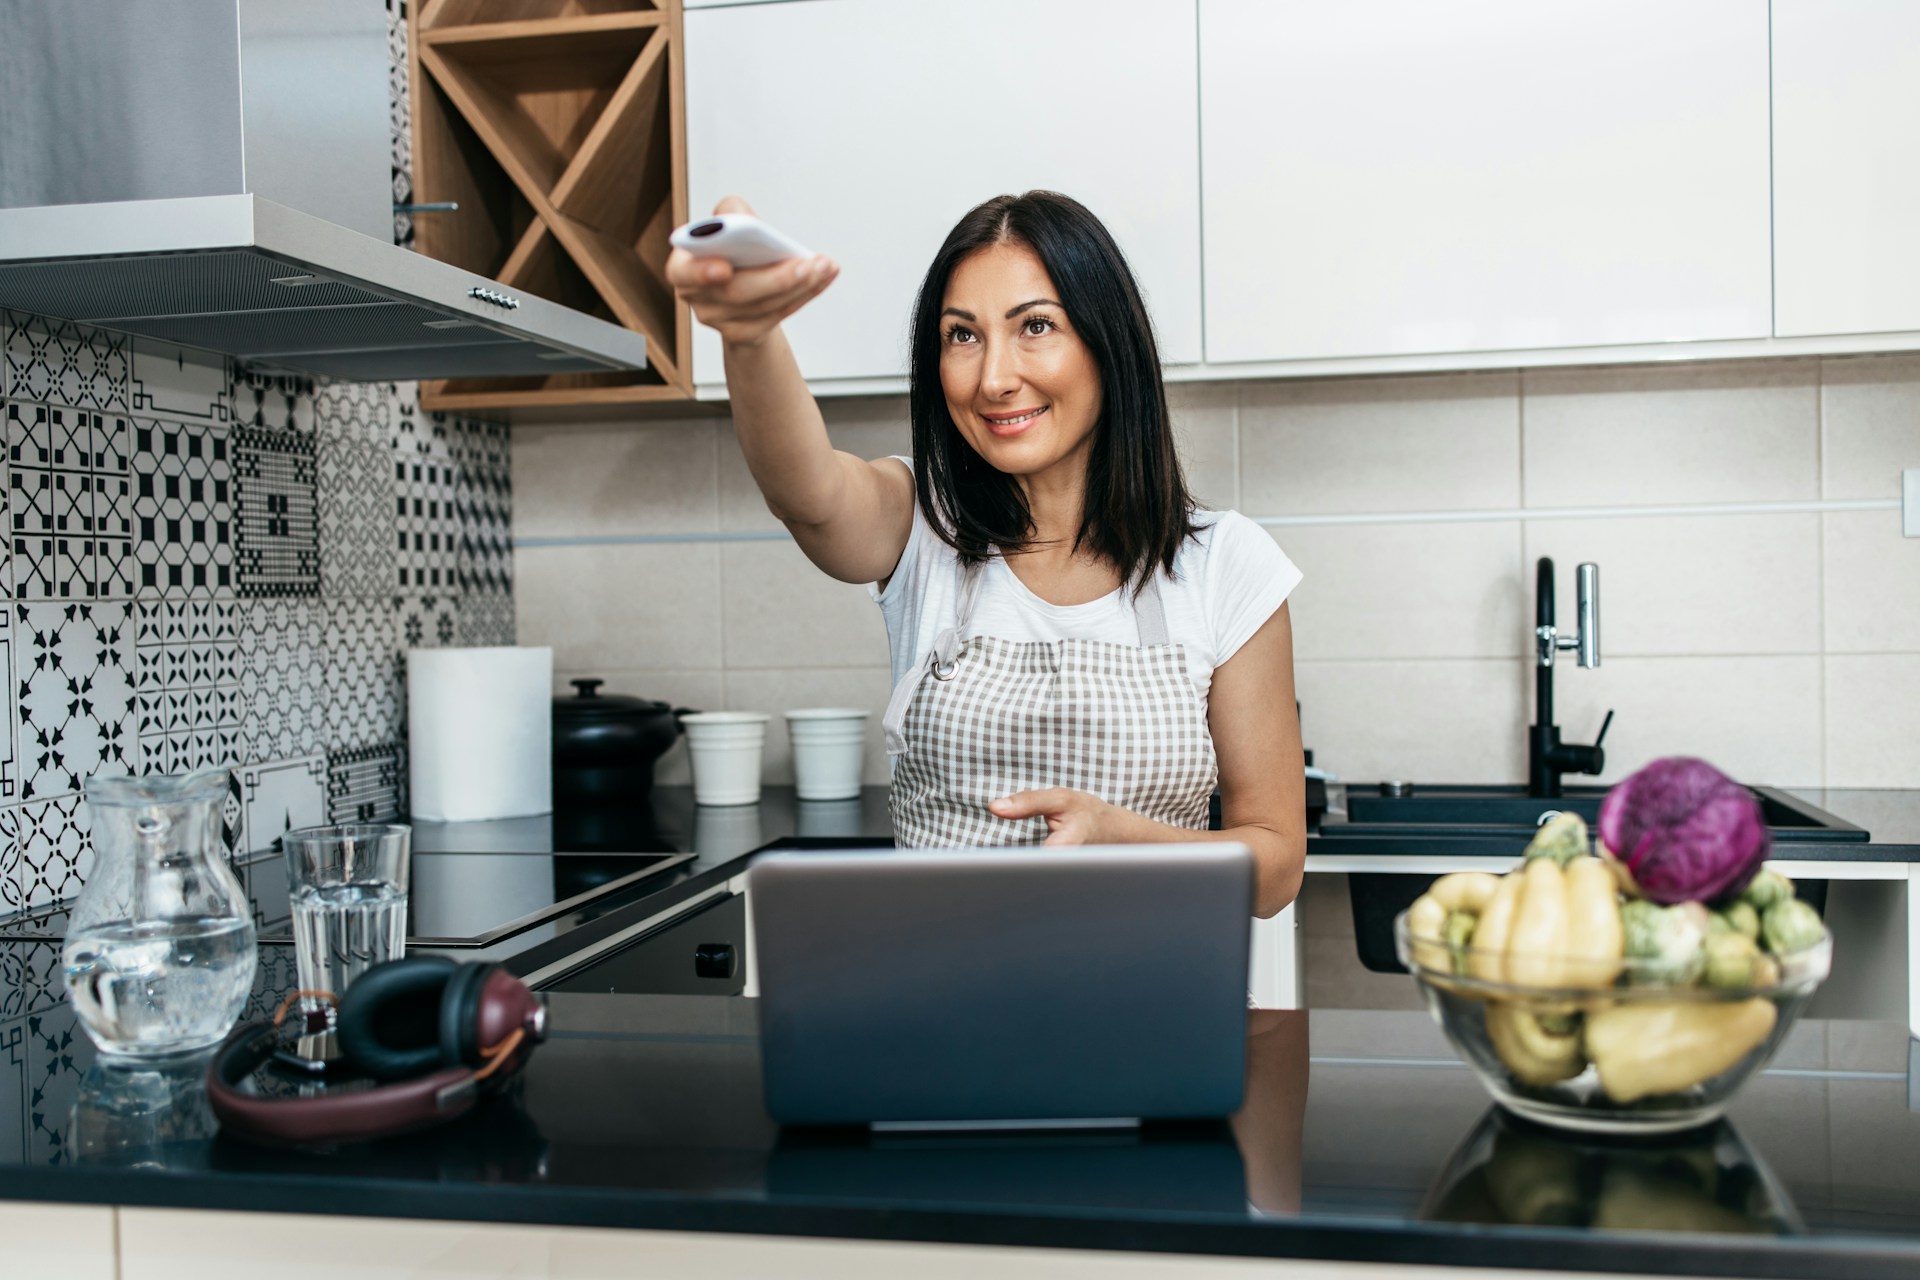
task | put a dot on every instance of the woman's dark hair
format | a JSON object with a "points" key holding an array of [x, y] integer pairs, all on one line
{"points": [[1138, 510]]}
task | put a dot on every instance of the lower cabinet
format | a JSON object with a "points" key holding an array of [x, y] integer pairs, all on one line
{"points": [[176, 1244], [700, 954], [68, 1241]]}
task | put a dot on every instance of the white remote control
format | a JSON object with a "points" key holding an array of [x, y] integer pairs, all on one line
{"points": [[740, 238]]}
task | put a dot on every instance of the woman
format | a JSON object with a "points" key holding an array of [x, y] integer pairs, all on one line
{"points": [[1079, 654]]}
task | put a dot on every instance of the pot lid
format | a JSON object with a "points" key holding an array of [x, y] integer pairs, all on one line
{"points": [[590, 704]]}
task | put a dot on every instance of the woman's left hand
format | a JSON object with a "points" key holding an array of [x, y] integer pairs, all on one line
{"points": [[1073, 817]]}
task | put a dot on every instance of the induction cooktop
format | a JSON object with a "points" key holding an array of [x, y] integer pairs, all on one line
{"points": [[476, 883]]}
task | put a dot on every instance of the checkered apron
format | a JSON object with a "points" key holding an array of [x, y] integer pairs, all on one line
{"points": [[988, 717]]}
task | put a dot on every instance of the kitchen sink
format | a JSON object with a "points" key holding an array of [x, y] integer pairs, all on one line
{"points": [[1468, 812]]}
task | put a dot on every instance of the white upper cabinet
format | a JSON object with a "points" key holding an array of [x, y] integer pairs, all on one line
{"points": [[1846, 166], [864, 129], [1399, 176]]}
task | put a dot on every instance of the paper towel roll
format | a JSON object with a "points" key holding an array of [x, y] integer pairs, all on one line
{"points": [[480, 732]]}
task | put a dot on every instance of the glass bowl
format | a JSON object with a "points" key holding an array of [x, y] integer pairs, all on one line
{"points": [[1641, 1054]]}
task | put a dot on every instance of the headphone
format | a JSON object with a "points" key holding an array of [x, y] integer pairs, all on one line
{"points": [[436, 1034]]}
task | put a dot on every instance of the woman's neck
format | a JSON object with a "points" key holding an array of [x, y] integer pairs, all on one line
{"points": [[1056, 505]]}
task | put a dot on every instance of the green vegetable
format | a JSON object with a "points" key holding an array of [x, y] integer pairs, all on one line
{"points": [[1735, 960], [1666, 941], [1790, 926], [1563, 838], [1458, 932], [1736, 917], [1766, 888]]}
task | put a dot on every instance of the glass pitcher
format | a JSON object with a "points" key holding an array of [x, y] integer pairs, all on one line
{"points": [[159, 954]]}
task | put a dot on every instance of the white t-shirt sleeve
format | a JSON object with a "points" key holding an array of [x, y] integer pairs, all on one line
{"points": [[1247, 577]]}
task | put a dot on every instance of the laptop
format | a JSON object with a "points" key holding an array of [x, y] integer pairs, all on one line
{"points": [[974, 987]]}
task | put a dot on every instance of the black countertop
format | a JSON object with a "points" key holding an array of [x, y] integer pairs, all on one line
{"points": [[1362, 1138]]}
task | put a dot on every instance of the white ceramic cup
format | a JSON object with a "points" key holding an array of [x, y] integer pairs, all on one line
{"points": [[725, 747], [829, 749]]}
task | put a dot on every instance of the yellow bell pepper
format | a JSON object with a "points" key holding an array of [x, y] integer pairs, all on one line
{"points": [[1642, 1048], [1534, 1054]]}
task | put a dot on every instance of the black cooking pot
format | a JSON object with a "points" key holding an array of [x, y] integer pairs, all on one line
{"points": [[605, 745]]}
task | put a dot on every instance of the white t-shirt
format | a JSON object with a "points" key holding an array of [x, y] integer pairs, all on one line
{"points": [[1227, 581]]}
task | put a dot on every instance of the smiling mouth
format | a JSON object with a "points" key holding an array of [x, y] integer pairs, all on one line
{"points": [[1011, 424]]}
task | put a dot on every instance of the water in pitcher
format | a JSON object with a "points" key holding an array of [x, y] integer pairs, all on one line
{"points": [[159, 987]]}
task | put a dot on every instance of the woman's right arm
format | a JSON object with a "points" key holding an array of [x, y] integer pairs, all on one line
{"points": [[851, 517]]}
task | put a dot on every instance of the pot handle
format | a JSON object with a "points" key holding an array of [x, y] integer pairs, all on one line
{"points": [[588, 687], [682, 711]]}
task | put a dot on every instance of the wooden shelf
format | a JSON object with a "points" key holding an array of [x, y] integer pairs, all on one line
{"points": [[557, 125]]}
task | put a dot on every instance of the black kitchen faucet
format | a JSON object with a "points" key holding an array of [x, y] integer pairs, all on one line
{"points": [[1547, 756]]}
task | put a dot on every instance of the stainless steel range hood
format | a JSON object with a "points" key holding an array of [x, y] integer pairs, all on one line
{"points": [[214, 173]]}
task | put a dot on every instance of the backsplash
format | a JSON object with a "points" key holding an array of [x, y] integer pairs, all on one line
{"points": [[1759, 604], [209, 566]]}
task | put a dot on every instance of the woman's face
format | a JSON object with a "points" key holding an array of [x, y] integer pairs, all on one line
{"points": [[1020, 384]]}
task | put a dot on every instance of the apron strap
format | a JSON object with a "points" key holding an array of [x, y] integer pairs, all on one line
{"points": [[940, 660], [1150, 613]]}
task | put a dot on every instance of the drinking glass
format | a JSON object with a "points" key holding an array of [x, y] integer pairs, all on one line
{"points": [[348, 886]]}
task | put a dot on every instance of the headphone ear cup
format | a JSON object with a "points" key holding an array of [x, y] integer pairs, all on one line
{"points": [[389, 1024], [460, 1015]]}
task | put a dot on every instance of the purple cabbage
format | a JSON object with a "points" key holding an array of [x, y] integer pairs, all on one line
{"points": [[1686, 831]]}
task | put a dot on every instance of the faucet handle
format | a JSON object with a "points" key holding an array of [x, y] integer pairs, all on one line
{"points": [[1604, 726]]}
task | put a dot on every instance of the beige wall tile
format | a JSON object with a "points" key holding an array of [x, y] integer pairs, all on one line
{"points": [[1380, 444], [1870, 417], [1448, 721], [782, 612], [1204, 427], [625, 608], [866, 428], [603, 478], [1756, 718], [1408, 590], [1873, 720], [696, 690], [1724, 432], [1690, 584], [1872, 583], [778, 692]]}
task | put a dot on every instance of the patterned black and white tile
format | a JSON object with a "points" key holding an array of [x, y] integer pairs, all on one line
{"points": [[187, 686], [426, 522], [427, 622], [53, 851], [182, 507], [364, 783], [362, 706], [399, 123], [64, 363], [276, 513], [73, 694], [177, 382], [283, 674], [357, 412], [69, 486], [483, 504], [416, 431], [271, 401], [281, 795], [485, 620], [358, 538]]}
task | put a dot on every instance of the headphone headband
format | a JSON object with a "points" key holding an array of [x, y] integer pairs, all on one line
{"points": [[470, 1000]]}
